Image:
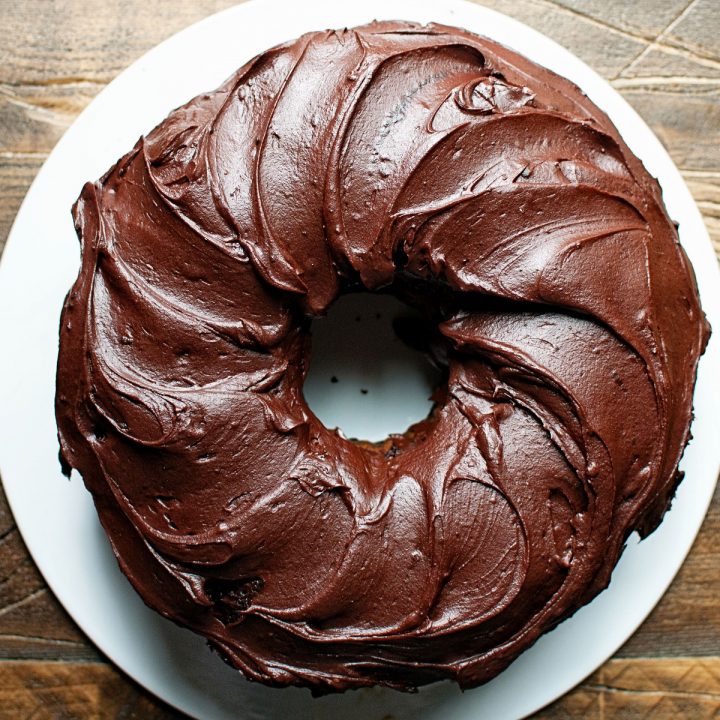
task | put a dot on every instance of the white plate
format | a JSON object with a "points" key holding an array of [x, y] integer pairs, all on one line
{"points": [[57, 518]]}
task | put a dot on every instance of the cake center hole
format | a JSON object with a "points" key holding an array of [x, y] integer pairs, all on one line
{"points": [[365, 378]]}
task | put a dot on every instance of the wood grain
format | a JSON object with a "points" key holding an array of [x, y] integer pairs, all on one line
{"points": [[652, 689], [45, 691], [662, 55]]}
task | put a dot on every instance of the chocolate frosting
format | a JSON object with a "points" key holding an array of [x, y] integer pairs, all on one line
{"points": [[436, 165]]}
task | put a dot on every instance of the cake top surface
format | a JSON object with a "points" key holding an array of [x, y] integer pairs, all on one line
{"points": [[482, 189]]}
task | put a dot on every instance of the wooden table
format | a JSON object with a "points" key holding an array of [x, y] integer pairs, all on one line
{"points": [[662, 55]]}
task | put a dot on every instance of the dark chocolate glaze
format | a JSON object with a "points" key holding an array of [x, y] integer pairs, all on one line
{"points": [[437, 165]]}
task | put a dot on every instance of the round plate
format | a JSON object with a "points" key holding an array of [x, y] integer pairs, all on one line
{"points": [[57, 518]]}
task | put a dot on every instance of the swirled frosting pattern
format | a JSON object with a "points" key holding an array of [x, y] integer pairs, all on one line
{"points": [[488, 192]]}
